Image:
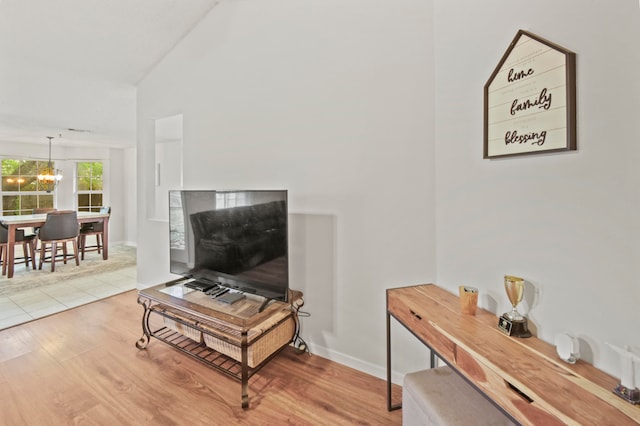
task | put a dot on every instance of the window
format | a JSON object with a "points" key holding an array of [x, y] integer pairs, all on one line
{"points": [[225, 200], [176, 221], [89, 190], [21, 192]]}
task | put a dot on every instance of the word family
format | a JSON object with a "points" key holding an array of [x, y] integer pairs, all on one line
{"points": [[543, 101]]}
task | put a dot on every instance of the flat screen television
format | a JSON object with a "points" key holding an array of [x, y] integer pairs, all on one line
{"points": [[235, 239]]}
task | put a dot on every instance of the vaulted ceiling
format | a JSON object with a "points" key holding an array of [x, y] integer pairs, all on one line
{"points": [[69, 68]]}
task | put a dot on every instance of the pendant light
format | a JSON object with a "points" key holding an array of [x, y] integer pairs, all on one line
{"points": [[49, 177]]}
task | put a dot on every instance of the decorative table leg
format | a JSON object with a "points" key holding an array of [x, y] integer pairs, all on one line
{"points": [[146, 333], [245, 369]]}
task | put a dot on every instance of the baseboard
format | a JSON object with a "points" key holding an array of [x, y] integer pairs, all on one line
{"points": [[355, 363], [123, 243]]}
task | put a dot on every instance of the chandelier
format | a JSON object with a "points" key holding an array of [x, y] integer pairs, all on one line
{"points": [[49, 176]]}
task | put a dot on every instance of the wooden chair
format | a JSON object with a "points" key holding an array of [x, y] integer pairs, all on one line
{"points": [[60, 228], [28, 248], [92, 228]]}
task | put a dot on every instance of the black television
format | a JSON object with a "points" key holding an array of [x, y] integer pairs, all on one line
{"points": [[233, 239]]}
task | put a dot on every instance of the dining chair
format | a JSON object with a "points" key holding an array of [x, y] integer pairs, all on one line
{"points": [[28, 248], [40, 210], [60, 228], [92, 228]]}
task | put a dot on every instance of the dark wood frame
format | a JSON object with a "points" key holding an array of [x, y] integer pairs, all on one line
{"points": [[570, 107]]}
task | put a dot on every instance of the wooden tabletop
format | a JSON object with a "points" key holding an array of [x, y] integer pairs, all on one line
{"points": [[243, 314], [40, 218], [524, 376]]}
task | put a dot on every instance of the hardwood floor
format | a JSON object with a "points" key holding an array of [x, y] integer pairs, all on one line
{"points": [[82, 367]]}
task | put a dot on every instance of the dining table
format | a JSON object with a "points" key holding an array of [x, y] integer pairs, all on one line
{"points": [[36, 220]]}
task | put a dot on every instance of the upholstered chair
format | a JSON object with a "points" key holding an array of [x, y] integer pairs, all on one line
{"points": [[28, 248], [40, 210], [60, 228], [92, 228]]}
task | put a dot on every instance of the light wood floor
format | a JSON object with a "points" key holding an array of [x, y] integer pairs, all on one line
{"points": [[82, 367]]}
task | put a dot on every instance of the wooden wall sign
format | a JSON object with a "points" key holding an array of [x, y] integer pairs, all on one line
{"points": [[530, 99]]}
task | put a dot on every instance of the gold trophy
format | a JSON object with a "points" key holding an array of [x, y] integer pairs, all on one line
{"points": [[512, 323]]}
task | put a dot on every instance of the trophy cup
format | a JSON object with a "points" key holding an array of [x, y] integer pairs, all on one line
{"points": [[512, 323]]}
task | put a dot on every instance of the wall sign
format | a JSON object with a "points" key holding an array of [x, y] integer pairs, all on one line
{"points": [[530, 99]]}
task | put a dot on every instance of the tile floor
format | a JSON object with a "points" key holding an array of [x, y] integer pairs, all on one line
{"points": [[40, 302]]}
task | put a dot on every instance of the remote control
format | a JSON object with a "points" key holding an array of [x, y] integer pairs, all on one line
{"points": [[220, 293]]}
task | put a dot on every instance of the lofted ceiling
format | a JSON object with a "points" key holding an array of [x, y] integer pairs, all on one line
{"points": [[69, 68]]}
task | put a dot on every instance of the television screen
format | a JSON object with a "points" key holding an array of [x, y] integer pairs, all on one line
{"points": [[237, 239]]}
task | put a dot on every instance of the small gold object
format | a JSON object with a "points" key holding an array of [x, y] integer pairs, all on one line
{"points": [[514, 286], [513, 323]]}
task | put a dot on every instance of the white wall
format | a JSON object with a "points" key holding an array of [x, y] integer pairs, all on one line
{"points": [[346, 103], [332, 100], [567, 222], [130, 194]]}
